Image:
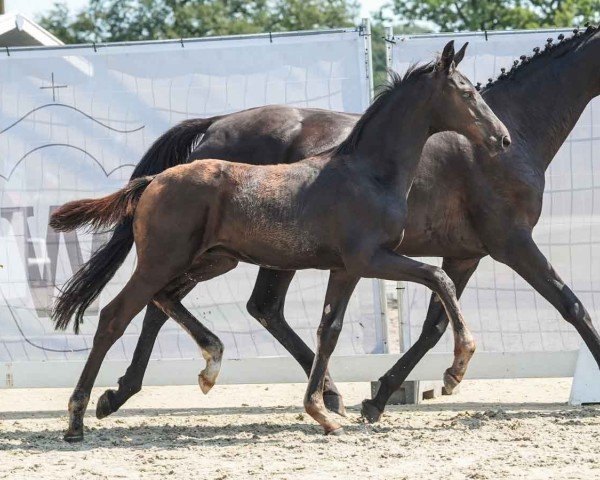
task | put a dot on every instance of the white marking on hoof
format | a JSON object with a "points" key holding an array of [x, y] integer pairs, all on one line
{"points": [[450, 381], [205, 384], [208, 376], [327, 309]]}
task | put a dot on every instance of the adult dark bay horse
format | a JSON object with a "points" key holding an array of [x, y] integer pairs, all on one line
{"points": [[463, 205], [290, 217]]}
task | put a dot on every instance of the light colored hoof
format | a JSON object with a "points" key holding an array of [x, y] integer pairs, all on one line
{"points": [[205, 383], [208, 376], [450, 382]]}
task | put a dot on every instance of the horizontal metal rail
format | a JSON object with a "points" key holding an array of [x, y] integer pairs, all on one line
{"points": [[351, 368]]}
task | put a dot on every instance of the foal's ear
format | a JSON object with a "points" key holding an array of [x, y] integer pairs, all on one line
{"points": [[445, 62], [460, 54]]}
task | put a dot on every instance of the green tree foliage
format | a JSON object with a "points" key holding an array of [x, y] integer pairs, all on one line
{"points": [[121, 20], [452, 15], [378, 44]]}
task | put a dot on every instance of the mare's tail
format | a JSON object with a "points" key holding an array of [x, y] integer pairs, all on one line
{"points": [[170, 149]]}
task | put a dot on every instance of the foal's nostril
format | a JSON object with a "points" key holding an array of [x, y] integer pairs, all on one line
{"points": [[505, 141]]}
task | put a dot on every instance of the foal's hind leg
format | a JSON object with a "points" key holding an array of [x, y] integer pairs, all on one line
{"points": [[155, 318], [114, 319], [210, 345], [266, 305], [131, 383]]}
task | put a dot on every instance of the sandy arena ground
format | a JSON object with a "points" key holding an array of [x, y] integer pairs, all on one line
{"points": [[490, 430]]}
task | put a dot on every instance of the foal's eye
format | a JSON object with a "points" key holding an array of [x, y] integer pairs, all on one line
{"points": [[467, 94]]}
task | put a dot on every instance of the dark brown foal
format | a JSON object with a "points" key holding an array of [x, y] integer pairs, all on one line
{"points": [[290, 217], [494, 209]]}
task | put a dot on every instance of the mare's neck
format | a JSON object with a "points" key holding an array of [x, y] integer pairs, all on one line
{"points": [[391, 143], [545, 103]]}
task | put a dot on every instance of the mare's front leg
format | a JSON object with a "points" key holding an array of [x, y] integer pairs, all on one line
{"points": [[339, 289], [131, 383], [266, 305], [524, 257], [388, 265], [114, 319], [459, 271]]}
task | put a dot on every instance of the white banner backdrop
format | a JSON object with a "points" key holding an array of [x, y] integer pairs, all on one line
{"points": [[73, 123], [504, 312]]}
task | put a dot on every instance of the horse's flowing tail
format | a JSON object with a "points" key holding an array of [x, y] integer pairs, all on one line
{"points": [[170, 149], [100, 212]]}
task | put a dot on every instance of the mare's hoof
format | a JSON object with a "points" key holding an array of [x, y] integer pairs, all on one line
{"points": [[370, 412], [450, 382], [334, 403], [105, 405], [336, 432], [72, 437]]}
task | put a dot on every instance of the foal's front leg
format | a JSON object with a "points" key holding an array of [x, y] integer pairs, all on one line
{"points": [[459, 271], [339, 289], [388, 265], [266, 305]]}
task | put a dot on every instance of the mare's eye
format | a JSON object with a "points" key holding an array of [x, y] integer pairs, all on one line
{"points": [[467, 94]]}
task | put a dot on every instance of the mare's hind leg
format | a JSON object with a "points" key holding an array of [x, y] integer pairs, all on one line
{"points": [[114, 319], [131, 383], [266, 305], [459, 271]]}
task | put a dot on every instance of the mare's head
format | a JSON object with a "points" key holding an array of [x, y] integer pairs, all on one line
{"points": [[457, 105]]}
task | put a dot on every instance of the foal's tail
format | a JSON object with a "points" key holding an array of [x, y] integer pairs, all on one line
{"points": [[170, 149], [100, 212]]}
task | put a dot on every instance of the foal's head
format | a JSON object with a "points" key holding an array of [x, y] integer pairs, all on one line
{"points": [[457, 105]]}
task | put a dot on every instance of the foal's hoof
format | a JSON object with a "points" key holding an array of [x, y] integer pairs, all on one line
{"points": [[450, 382], [334, 403], [205, 383], [336, 432], [105, 404], [73, 437], [370, 412]]}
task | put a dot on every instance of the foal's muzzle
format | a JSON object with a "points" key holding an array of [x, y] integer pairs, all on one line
{"points": [[498, 144]]}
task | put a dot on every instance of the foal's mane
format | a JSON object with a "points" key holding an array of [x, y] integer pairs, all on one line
{"points": [[394, 83], [550, 51]]}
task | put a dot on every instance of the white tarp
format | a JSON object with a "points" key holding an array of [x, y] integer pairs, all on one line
{"points": [[73, 123], [504, 312]]}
